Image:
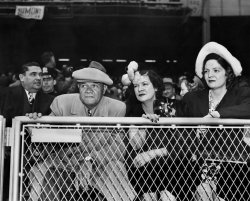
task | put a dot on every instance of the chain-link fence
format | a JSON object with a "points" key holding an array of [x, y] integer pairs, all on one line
{"points": [[126, 159]]}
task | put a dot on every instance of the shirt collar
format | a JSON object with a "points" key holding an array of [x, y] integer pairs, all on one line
{"points": [[27, 93], [78, 108]]}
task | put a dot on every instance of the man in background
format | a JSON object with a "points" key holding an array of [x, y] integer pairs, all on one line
{"points": [[170, 90], [27, 98], [49, 81], [21, 100], [172, 99]]}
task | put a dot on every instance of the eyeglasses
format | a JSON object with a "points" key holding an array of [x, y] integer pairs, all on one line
{"points": [[93, 86]]}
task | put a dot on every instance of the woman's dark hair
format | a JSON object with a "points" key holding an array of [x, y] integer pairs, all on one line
{"points": [[189, 76], [228, 68], [157, 83]]}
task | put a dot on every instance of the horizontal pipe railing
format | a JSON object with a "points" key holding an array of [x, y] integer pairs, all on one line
{"points": [[136, 120]]}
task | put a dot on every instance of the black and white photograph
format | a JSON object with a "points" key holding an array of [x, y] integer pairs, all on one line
{"points": [[124, 100]]}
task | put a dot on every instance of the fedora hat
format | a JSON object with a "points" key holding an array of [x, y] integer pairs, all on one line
{"points": [[168, 80], [95, 72], [213, 47]]}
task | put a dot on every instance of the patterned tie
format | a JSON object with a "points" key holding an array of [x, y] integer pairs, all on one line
{"points": [[30, 98], [89, 113]]}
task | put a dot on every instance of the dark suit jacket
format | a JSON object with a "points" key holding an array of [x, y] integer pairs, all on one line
{"points": [[226, 142], [14, 102], [235, 104]]}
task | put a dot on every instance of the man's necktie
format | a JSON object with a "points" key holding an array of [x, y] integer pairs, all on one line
{"points": [[89, 113], [30, 98]]}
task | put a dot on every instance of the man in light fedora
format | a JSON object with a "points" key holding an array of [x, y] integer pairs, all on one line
{"points": [[92, 83], [109, 176]]}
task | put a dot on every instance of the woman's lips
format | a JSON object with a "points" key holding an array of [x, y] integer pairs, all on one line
{"points": [[211, 81]]}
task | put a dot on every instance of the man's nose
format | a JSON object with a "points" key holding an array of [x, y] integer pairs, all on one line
{"points": [[38, 76], [89, 89]]}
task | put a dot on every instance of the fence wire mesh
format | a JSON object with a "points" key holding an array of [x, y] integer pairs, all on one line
{"points": [[123, 163]]}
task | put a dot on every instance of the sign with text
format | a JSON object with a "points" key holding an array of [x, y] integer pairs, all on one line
{"points": [[30, 12]]}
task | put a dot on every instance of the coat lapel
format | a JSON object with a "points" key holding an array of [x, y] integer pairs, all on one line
{"points": [[203, 104], [77, 108]]}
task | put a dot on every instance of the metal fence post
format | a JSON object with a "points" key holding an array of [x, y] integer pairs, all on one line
{"points": [[2, 144]]}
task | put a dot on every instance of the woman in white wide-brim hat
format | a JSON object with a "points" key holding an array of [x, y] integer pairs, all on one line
{"points": [[224, 87], [226, 95]]}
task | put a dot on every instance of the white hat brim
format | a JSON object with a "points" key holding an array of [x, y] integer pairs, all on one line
{"points": [[92, 74], [213, 47]]}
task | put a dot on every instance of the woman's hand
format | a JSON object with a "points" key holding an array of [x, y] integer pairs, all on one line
{"points": [[152, 117], [208, 116], [213, 114]]}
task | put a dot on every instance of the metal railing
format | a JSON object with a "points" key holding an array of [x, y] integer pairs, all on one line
{"points": [[2, 144], [94, 158]]}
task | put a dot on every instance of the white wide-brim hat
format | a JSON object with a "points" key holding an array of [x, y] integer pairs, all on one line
{"points": [[213, 47], [94, 73]]}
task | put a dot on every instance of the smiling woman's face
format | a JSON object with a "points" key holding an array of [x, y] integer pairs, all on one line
{"points": [[144, 89]]}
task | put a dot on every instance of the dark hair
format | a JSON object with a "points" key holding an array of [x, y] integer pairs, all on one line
{"points": [[189, 76], [228, 68], [25, 67], [67, 71], [157, 83], [46, 57]]}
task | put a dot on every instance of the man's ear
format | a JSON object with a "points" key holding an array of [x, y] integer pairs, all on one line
{"points": [[21, 77], [104, 89], [54, 82]]}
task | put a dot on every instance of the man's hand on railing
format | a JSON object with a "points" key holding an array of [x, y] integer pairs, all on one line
{"points": [[34, 115]]}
